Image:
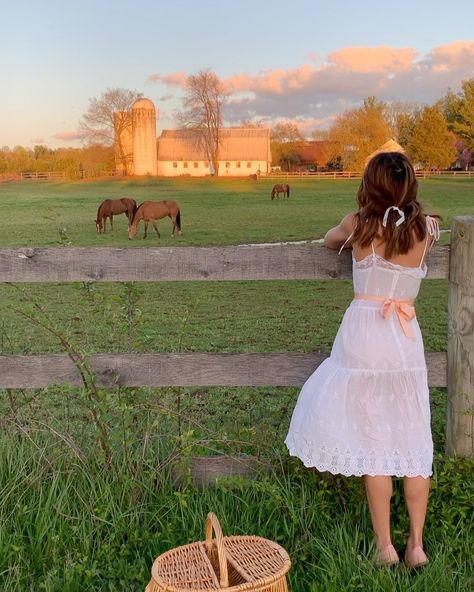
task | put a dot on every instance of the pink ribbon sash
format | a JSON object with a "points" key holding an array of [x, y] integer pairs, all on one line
{"points": [[404, 310]]}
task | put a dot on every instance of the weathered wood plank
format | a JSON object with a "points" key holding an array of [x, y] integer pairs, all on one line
{"points": [[179, 369], [266, 262], [460, 418]]}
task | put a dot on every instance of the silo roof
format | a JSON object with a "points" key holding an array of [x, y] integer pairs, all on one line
{"points": [[143, 103]]}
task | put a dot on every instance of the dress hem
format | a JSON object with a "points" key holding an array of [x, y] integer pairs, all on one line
{"points": [[324, 467]]}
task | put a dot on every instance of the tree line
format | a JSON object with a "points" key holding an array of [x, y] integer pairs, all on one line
{"points": [[437, 136], [74, 162]]}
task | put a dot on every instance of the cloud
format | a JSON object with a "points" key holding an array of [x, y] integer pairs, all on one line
{"points": [[38, 140], [373, 60], [177, 79], [319, 90], [69, 136], [454, 56]]}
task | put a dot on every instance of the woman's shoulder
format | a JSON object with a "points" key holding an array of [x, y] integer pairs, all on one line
{"points": [[349, 222], [340, 234]]}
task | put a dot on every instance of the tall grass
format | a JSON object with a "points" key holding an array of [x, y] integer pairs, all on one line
{"points": [[72, 526]]}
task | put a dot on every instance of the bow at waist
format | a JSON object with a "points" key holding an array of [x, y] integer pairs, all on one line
{"points": [[404, 309]]}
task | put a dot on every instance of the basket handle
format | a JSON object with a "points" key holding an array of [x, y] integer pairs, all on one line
{"points": [[212, 523]]}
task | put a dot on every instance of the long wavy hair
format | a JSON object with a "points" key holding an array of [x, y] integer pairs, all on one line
{"points": [[389, 180]]}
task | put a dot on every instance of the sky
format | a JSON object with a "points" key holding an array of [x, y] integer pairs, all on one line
{"points": [[303, 62]]}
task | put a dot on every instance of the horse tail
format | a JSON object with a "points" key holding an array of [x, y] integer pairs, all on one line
{"points": [[178, 220], [288, 191]]}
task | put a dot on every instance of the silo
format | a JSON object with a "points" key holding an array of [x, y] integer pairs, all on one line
{"points": [[144, 137]]}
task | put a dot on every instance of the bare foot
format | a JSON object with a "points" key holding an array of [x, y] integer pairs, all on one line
{"points": [[415, 557], [386, 556]]}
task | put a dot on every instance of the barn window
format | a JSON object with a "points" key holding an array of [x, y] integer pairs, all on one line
{"points": [[185, 165], [237, 164], [227, 165], [196, 164], [206, 164], [249, 164], [175, 165]]}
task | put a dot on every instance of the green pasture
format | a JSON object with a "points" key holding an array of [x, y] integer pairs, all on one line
{"points": [[70, 521], [214, 212]]}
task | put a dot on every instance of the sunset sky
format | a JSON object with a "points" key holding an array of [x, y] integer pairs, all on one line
{"points": [[303, 61]]}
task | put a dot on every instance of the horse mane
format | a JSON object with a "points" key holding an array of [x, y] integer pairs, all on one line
{"points": [[135, 212], [98, 211]]}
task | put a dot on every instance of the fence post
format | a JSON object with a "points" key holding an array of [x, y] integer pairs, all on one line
{"points": [[460, 419]]}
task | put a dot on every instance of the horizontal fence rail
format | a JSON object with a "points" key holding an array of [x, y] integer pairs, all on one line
{"points": [[180, 369], [253, 262]]}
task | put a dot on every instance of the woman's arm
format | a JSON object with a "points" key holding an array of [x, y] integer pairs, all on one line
{"points": [[335, 238]]}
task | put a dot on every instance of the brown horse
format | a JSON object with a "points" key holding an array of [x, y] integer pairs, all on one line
{"points": [[111, 207], [150, 211], [277, 189]]}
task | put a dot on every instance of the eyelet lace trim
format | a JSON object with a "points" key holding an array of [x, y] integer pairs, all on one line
{"points": [[412, 463], [373, 259]]}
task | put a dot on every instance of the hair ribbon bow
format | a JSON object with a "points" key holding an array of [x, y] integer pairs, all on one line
{"points": [[400, 220]]}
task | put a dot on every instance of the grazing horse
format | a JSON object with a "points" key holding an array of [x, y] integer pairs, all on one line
{"points": [[150, 211], [277, 189], [111, 207]]}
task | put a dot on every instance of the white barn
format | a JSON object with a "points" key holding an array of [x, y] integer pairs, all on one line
{"points": [[242, 152]]}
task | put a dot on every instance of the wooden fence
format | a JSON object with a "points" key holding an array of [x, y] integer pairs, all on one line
{"points": [[454, 368], [43, 176], [358, 174], [63, 175]]}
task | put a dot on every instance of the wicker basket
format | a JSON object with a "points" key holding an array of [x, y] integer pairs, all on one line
{"points": [[234, 564]]}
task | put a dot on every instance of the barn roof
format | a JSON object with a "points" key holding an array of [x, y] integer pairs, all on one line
{"points": [[236, 144], [314, 152]]}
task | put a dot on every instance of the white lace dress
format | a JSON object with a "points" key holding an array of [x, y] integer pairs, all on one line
{"points": [[365, 410]]}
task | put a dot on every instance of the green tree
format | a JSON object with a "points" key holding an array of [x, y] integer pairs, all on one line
{"points": [[432, 144], [459, 113], [358, 132], [402, 117]]}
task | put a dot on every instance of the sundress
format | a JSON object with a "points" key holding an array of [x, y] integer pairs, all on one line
{"points": [[365, 410]]}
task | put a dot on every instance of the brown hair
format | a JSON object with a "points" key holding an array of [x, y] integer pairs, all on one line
{"points": [[389, 180]]}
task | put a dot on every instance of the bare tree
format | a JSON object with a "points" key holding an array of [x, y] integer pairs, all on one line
{"points": [[108, 119], [205, 97], [285, 139]]}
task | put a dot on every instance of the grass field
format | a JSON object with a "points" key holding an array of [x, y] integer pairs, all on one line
{"points": [[216, 212], [68, 523]]}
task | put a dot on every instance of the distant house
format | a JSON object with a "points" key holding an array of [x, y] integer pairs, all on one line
{"points": [[314, 155], [242, 152], [389, 146]]}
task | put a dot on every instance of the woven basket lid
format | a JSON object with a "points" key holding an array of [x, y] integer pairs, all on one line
{"points": [[255, 560]]}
